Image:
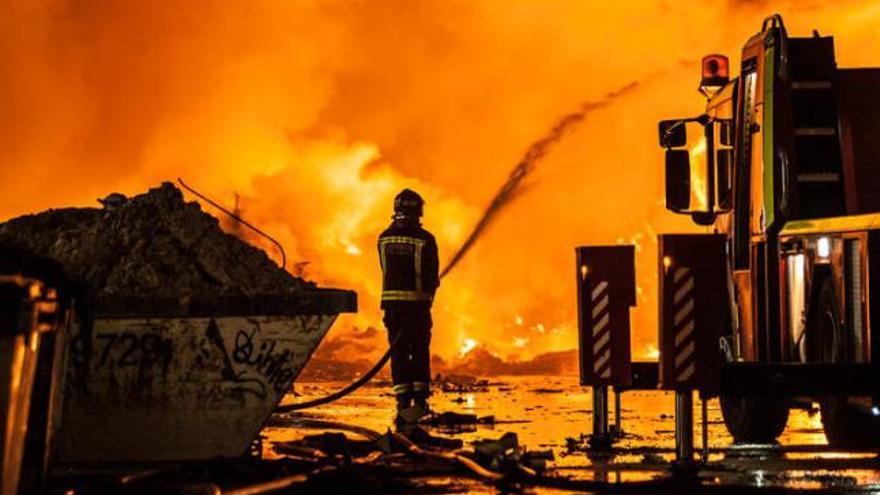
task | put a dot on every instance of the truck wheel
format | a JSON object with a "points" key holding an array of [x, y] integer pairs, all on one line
{"points": [[754, 419], [846, 425]]}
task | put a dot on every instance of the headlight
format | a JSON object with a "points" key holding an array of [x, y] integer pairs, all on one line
{"points": [[823, 247]]}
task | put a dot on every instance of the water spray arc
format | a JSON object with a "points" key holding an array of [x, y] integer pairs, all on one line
{"points": [[527, 165]]}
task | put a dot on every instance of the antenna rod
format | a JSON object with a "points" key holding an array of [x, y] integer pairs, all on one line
{"points": [[238, 219]]}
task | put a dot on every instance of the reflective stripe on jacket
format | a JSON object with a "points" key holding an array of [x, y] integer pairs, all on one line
{"points": [[408, 255]]}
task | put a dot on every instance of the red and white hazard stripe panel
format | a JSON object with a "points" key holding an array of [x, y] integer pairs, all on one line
{"points": [[606, 292], [683, 324], [601, 316], [693, 271]]}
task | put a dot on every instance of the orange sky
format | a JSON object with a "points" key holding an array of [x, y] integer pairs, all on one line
{"points": [[318, 112]]}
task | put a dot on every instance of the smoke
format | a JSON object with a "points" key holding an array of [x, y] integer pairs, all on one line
{"points": [[527, 164]]}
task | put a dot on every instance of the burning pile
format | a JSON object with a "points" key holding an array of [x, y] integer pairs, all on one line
{"points": [[152, 245]]}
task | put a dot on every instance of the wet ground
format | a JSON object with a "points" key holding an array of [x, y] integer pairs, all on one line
{"points": [[554, 412]]}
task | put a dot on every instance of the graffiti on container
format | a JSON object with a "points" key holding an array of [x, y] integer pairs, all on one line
{"points": [[79, 352], [262, 358], [232, 383], [231, 360], [237, 388], [90, 351], [129, 349]]}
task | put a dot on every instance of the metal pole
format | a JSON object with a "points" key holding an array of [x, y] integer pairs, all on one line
{"points": [[705, 417], [618, 426], [600, 411], [600, 438], [684, 427]]}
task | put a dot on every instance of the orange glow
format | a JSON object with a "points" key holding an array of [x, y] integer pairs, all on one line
{"points": [[699, 170], [35, 290], [317, 112], [467, 346]]}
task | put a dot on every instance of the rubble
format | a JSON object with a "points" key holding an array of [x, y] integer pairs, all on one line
{"points": [[450, 418], [151, 245], [506, 454], [459, 383]]}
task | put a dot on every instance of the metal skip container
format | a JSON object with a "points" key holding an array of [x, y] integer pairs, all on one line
{"points": [[152, 380], [183, 337]]}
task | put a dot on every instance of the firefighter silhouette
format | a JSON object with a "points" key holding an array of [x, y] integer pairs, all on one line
{"points": [[408, 256]]}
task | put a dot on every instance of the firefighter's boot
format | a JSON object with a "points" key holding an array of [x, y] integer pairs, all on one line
{"points": [[421, 402], [410, 416], [404, 403]]}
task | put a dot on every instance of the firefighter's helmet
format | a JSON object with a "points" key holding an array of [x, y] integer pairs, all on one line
{"points": [[408, 204]]}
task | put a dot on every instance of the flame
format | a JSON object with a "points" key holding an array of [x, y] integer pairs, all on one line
{"points": [[317, 112], [467, 345], [698, 160]]}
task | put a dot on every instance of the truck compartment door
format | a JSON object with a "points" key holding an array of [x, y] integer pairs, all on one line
{"points": [[606, 292], [694, 309]]}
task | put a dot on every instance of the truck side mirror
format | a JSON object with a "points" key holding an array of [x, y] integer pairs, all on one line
{"points": [[678, 180], [673, 133], [725, 132], [724, 178]]}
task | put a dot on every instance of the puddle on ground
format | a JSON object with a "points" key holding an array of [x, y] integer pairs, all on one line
{"points": [[545, 411]]}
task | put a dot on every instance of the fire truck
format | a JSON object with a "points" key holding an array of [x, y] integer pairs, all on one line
{"points": [[783, 169]]}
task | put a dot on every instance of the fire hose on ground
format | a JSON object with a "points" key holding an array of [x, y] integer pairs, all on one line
{"points": [[360, 382]]}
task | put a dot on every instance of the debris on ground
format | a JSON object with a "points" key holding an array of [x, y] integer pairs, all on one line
{"points": [[328, 444], [587, 443], [506, 454], [548, 391], [450, 418], [460, 383], [370, 462], [502, 455], [151, 245], [241, 476]]}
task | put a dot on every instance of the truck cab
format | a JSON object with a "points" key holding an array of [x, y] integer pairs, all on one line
{"points": [[784, 163]]}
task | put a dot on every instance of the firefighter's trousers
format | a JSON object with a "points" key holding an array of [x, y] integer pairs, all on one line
{"points": [[411, 359]]}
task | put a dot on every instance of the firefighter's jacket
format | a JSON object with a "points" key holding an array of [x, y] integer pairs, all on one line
{"points": [[408, 254]]}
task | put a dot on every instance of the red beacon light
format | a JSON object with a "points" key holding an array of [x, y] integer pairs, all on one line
{"points": [[715, 73]]}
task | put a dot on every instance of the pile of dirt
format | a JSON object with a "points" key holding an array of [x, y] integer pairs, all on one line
{"points": [[151, 245]]}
